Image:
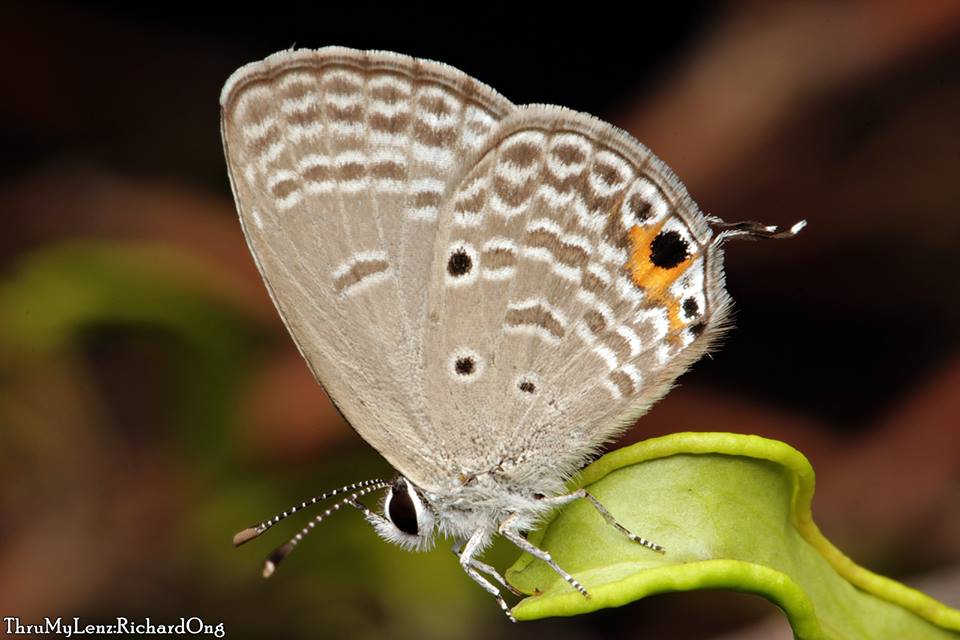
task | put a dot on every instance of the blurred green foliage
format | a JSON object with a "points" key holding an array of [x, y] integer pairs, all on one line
{"points": [[341, 581]]}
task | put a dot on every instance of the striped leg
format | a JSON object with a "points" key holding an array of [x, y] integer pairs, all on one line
{"points": [[468, 564], [558, 501], [486, 568], [509, 530]]}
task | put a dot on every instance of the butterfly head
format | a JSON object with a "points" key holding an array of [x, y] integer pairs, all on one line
{"points": [[409, 519]]}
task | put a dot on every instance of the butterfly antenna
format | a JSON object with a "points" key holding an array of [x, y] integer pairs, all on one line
{"points": [[250, 533], [751, 230], [281, 552]]}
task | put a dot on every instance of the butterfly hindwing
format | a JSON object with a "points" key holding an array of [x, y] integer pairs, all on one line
{"points": [[574, 280], [340, 162]]}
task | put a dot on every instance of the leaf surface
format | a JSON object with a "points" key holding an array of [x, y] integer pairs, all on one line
{"points": [[734, 513]]}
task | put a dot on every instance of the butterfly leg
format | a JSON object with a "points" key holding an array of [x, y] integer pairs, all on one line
{"points": [[469, 565], [483, 567], [558, 501], [509, 530]]}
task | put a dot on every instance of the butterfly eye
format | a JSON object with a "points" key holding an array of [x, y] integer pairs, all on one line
{"points": [[410, 520], [402, 507]]}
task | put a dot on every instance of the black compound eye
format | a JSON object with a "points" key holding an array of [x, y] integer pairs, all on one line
{"points": [[400, 508]]}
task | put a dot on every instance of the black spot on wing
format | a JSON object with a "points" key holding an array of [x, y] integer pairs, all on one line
{"points": [[690, 308], [459, 263], [668, 249], [465, 366]]}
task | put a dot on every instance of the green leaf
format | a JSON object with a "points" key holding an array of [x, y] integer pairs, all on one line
{"points": [[734, 513]]}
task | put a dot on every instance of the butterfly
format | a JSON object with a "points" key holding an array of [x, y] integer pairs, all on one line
{"points": [[489, 293]]}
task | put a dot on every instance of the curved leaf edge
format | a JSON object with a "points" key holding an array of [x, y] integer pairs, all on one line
{"points": [[731, 574]]}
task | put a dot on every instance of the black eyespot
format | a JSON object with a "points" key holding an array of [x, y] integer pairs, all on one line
{"points": [[697, 329], [527, 387], [459, 263], [690, 308], [401, 510], [668, 250], [465, 366]]}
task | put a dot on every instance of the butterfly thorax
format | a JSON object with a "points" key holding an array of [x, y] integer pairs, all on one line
{"points": [[484, 501]]}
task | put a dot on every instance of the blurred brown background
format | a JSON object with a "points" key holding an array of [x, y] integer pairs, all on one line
{"points": [[151, 403]]}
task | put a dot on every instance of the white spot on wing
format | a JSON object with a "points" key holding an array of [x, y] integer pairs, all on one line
{"points": [[600, 350], [598, 183], [599, 271], [631, 337], [658, 319], [627, 290], [366, 283], [634, 375], [476, 127], [612, 388], [359, 256], [591, 220], [299, 106], [436, 157], [256, 131], [344, 100], [499, 274], [556, 166], [353, 185], [297, 78], [541, 254], [553, 198]]}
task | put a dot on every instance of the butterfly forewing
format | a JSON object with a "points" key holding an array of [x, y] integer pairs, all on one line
{"points": [[574, 281], [340, 162]]}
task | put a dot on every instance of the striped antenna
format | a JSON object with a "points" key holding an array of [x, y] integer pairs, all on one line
{"points": [[250, 533], [281, 552]]}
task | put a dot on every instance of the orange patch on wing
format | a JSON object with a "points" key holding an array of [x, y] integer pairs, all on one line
{"points": [[653, 280]]}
